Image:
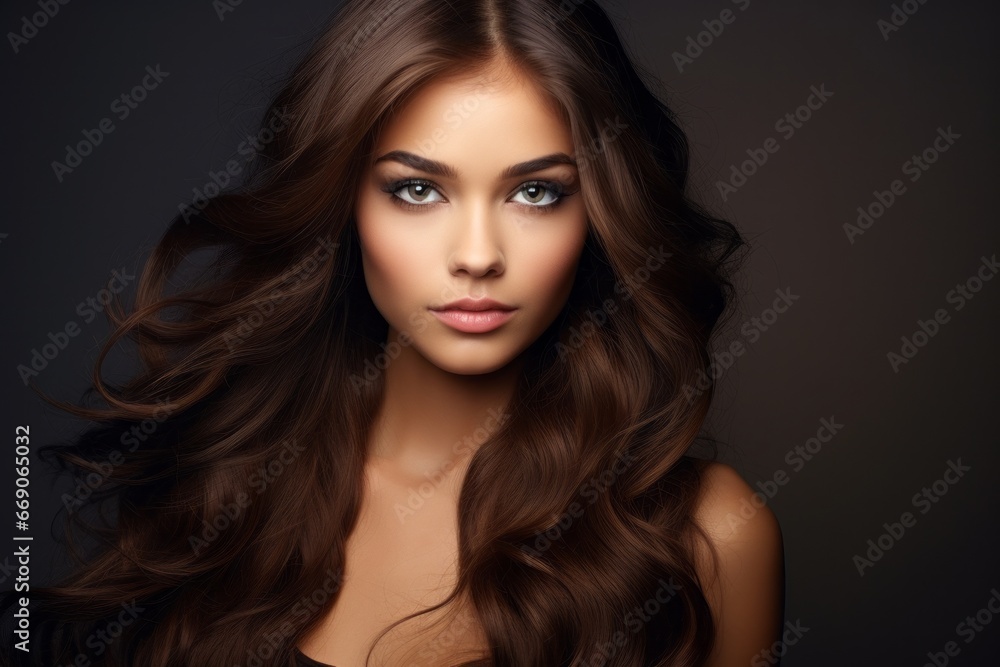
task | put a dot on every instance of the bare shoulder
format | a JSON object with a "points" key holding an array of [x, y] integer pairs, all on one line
{"points": [[730, 512], [746, 591]]}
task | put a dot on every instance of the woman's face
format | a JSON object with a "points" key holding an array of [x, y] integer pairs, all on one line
{"points": [[471, 194]]}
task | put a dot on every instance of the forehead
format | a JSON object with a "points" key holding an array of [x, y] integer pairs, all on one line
{"points": [[492, 117]]}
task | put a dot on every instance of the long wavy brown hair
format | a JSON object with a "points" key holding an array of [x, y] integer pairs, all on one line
{"points": [[231, 464]]}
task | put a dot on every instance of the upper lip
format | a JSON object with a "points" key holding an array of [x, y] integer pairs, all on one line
{"points": [[474, 304]]}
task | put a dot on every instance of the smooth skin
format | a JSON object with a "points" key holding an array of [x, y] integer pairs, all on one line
{"points": [[747, 593], [471, 227]]}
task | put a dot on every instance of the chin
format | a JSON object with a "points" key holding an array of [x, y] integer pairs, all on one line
{"points": [[469, 361], [472, 367]]}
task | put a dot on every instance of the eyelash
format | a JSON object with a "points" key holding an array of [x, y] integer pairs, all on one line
{"points": [[553, 187]]}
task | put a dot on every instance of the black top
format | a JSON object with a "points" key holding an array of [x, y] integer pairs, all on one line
{"points": [[305, 661]]}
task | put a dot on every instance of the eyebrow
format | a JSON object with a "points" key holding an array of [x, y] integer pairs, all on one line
{"points": [[446, 170]]}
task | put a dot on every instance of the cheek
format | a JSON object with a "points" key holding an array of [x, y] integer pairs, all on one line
{"points": [[549, 266], [388, 259], [387, 279]]}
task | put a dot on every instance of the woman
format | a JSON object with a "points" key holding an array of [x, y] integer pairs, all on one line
{"points": [[433, 402]]}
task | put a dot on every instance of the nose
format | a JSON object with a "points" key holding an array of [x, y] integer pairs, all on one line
{"points": [[476, 248]]}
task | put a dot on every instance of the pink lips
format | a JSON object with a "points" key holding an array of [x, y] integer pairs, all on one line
{"points": [[474, 315]]}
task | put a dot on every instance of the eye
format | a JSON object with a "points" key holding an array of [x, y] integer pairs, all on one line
{"points": [[415, 194], [418, 192], [536, 191]]}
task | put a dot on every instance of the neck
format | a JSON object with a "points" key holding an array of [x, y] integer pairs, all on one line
{"points": [[430, 421]]}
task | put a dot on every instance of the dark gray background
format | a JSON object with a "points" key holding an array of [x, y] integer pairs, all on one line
{"points": [[823, 358]]}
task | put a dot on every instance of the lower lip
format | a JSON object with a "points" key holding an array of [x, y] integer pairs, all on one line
{"points": [[473, 321]]}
